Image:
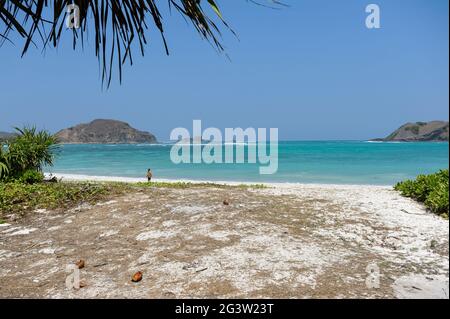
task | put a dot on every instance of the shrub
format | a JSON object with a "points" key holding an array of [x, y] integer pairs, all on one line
{"points": [[4, 170], [29, 151], [18, 197], [432, 190], [32, 177]]}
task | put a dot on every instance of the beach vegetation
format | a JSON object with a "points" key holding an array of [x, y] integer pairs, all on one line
{"points": [[4, 171], [23, 157], [184, 185], [30, 192], [32, 177], [19, 197], [432, 190]]}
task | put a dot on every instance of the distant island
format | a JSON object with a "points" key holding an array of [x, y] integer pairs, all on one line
{"points": [[102, 131], [192, 140], [435, 131]]}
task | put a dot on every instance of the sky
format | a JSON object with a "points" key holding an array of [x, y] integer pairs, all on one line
{"points": [[313, 70]]}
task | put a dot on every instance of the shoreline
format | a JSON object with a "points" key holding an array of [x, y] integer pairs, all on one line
{"points": [[96, 178]]}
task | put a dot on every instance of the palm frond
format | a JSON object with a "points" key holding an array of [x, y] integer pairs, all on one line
{"points": [[117, 25]]}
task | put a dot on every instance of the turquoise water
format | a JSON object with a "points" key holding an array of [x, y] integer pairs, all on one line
{"points": [[334, 162]]}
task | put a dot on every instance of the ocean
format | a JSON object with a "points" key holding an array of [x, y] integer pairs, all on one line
{"points": [[322, 162]]}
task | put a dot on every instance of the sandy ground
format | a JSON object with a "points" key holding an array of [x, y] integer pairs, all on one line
{"points": [[286, 241]]}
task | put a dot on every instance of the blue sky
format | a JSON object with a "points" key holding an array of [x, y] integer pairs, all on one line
{"points": [[312, 70]]}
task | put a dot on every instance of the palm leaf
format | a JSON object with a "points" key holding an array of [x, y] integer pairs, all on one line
{"points": [[119, 25], [3, 170]]}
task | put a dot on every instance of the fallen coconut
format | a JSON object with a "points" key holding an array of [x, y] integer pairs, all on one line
{"points": [[137, 277]]}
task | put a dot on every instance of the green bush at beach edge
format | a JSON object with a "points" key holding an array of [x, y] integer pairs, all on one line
{"points": [[432, 190], [22, 157], [19, 197]]}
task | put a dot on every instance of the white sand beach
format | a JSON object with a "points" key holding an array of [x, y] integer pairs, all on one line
{"points": [[282, 241]]}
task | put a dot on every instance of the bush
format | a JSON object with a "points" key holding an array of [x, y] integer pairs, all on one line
{"points": [[32, 177], [29, 151], [4, 170], [17, 197], [432, 190]]}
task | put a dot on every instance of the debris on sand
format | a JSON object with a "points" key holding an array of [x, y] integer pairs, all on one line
{"points": [[137, 277], [80, 264]]}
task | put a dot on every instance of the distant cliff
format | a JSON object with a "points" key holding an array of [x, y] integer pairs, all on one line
{"points": [[419, 132], [104, 132]]}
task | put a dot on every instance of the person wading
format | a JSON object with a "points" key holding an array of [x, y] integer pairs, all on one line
{"points": [[149, 175]]}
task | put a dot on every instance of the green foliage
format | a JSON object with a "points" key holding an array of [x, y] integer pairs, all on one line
{"points": [[432, 190], [32, 177], [29, 151], [4, 171], [183, 185], [17, 197], [117, 26]]}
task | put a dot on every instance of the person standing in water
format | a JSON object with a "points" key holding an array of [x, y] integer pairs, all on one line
{"points": [[149, 175]]}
